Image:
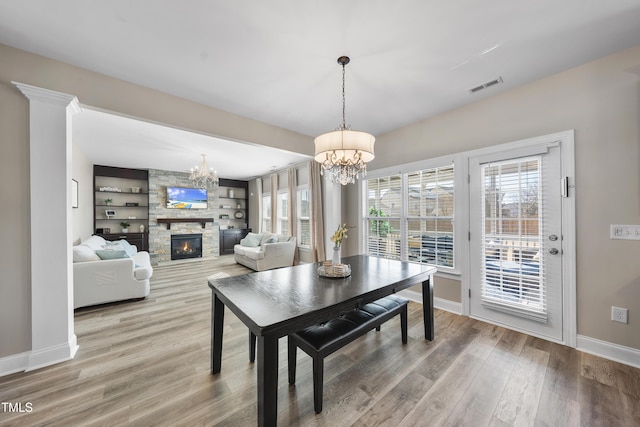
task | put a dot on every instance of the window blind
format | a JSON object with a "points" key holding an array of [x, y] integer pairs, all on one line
{"points": [[384, 210], [430, 216], [512, 269]]}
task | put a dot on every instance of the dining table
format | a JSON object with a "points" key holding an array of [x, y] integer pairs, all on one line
{"points": [[275, 303]]}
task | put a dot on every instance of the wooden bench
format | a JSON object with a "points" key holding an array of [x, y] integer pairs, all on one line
{"points": [[319, 341]]}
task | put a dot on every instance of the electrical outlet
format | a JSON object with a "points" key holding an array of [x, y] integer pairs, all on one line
{"points": [[619, 314]]}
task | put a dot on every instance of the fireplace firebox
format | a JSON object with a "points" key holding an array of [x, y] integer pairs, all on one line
{"points": [[185, 246]]}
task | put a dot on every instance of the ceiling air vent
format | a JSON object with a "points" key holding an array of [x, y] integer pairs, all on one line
{"points": [[486, 85]]}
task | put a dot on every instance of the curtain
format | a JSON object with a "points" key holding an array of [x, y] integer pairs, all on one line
{"points": [[274, 201], [292, 208], [317, 219], [260, 213]]}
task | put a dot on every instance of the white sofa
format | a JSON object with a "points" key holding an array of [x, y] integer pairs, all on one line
{"points": [[106, 271], [265, 251]]}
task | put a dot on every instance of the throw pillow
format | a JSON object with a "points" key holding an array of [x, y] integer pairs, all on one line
{"points": [[252, 240], [83, 253], [128, 247], [94, 242], [112, 246], [271, 239], [111, 254]]}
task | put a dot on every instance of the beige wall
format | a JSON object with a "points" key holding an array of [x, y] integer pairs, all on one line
{"points": [[601, 101], [99, 91], [15, 289], [82, 216], [444, 288]]}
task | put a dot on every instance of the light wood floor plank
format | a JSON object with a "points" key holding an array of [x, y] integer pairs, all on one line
{"points": [[146, 363]]}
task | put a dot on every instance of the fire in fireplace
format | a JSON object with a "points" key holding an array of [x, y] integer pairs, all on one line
{"points": [[186, 246]]}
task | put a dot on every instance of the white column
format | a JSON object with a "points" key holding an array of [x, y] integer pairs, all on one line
{"points": [[52, 330]]}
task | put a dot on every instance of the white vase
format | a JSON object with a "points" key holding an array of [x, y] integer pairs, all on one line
{"points": [[336, 256], [125, 230]]}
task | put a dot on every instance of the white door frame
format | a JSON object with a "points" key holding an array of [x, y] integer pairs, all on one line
{"points": [[567, 165]]}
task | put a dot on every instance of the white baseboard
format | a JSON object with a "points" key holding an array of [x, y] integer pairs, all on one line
{"points": [[617, 353], [448, 305], [32, 360], [14, 363], [442, 304], [52, 355]]}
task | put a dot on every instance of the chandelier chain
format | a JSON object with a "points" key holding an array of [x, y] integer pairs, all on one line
{"points": [[344, 120]]}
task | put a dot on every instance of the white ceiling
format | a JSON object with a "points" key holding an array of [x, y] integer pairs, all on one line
{"points": [[114, 140], [275, 61]]}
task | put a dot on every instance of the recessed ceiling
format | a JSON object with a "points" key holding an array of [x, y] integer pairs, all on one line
{"points": [[275, 61]]}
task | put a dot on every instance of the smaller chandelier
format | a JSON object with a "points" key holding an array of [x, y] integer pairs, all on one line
{"points": [[203, 177], [344, 153]]}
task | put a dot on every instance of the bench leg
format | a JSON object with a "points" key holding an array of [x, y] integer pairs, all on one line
{"points": [[318, 386], [252, 347], [292, 360], [403, 324]]}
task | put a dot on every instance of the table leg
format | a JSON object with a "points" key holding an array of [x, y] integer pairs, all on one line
{"points": [[267, 381], [427, 308], [217, 323], [252, 347]]}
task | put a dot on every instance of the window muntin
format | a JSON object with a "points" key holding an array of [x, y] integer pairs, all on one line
{"points": [[303, 213], [411, 216], [430, 216], [266, 213], [512, 270], [282, 204], [383, 216]]}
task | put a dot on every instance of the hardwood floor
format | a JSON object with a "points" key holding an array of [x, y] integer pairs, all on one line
{"points": [[146, 363]]}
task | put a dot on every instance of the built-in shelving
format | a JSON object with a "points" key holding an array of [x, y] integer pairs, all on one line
{"points": [[128, 193], [233, 214]]}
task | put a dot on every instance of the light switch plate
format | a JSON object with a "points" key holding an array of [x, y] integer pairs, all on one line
{"points": [[625, 232]]}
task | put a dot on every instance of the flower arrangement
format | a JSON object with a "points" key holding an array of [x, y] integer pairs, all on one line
{"points": [[339, 235]]}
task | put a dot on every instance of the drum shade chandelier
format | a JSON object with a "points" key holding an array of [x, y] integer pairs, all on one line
{"points": [[344, 153], [203, 177]]}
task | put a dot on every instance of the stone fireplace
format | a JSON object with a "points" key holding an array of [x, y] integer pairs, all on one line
{"points": [[185, 246], [165, 223]]}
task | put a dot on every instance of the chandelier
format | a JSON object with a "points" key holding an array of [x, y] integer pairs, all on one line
{"points": [[344, 153], [203, 177]]}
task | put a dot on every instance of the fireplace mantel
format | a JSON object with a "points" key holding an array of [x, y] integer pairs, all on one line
{"points": [[169, 221]]}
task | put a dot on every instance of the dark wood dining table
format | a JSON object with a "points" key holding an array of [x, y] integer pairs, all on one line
{"points": [[275, 303]]}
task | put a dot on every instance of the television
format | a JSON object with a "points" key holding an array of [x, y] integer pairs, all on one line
{"points": [[186, 198]]}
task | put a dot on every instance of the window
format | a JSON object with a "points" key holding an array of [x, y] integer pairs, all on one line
{"points": [[303, 212], [384, 210], [411, 216], [282, 203], [511, 234], [266, 213], [430, 206]]}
